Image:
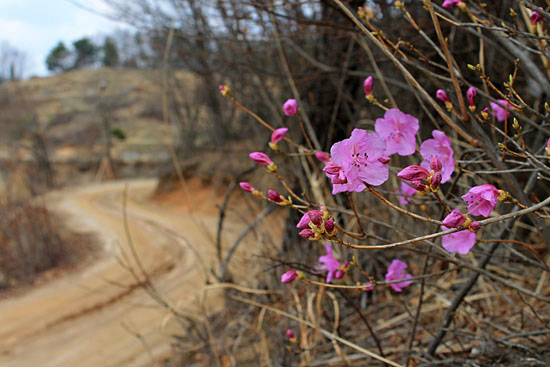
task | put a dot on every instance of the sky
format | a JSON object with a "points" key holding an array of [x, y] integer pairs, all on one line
{"points": [[36, 26]]}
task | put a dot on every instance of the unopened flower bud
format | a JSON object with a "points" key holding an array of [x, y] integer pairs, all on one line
{"points": [[260, 158], [246, 186], [289, 276], [418, 186], [290, 334], [454, 219], [332, 168], [224, 90], [442, 95], [436, 180], [329, 225], [485, 113], [290, 107], [274, 196], [471, 94], [367, 85], [278, 135], [339, 274], [413, 173], [435, 164], [384, 159], [535, 17], [475, 226], [322, 156], [307, 233], [316, 217]]}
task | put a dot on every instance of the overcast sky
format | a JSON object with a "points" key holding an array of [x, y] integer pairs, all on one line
{"points": [[35, 26]]}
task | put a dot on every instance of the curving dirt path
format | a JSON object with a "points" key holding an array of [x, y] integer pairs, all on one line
{"points": [[97, 316]]}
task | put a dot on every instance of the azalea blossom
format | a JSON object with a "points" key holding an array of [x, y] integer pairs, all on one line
{"points": [[398, 130], [460, 242], [501, 113], [290, 107], [481, 199], [396, 271], [440, 148], [355, 161], [407, 192], [330, 264]]}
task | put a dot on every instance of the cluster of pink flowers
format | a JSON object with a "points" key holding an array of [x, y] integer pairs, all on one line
{"points": [[315, 223], [481, 200]]}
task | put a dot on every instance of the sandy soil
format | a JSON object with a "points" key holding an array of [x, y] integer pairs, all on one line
{"points": [[96, 315]]}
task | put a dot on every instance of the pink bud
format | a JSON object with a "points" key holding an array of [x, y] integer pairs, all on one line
{"points": [[329, 225], [316, 217], [442, 95], [246, 186], [339, 274], [435, 164], [290, 107], [274, 196], [451, 4], [322, 156], [384, 159], [332, 168], [418, 186], [289, 276], [548, 143], [278, 135], [436, 180], [471, 94], [454, 219], [413, 173], [368, 286], [367, 85], [307, 233], [260, 158], [475, 226], [290, 334], [535, 17]]}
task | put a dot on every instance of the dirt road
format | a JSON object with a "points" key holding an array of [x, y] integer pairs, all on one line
{"points": [[96, 316]]}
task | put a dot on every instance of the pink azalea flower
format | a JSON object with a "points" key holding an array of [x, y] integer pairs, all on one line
{"points": [[439, 147], [454, 219], [406, 192], [290, 107], [260, 158], [330, 264], [535, 17], [289, 276], [396, 271], [451, 4], [355, 161], [322, 157], [461, 241], [481, 199], [367, 85], [500, 112], [398, 130], [471, 94], [278, 135]]}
